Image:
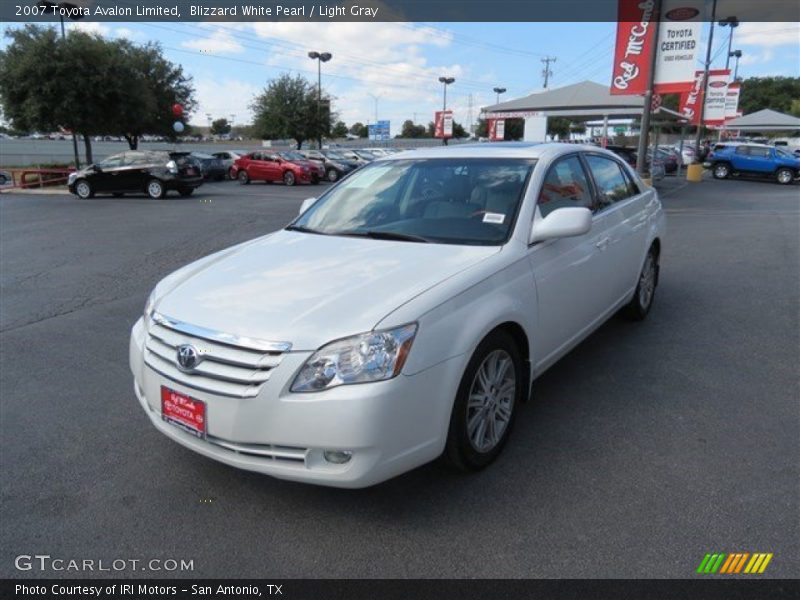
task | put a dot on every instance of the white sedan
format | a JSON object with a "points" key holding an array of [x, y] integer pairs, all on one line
{"points": [[404, 315]]}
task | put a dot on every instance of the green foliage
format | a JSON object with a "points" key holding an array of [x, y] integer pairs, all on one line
{"points": [[288, 109], [411, 130], [777, 93], [220, 127], [339, 130], [359, 129], [89, 85]]}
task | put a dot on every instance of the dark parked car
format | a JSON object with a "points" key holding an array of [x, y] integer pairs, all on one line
{"points": [[655, 168], [228, 157], [669, 159], [269, 167], [152, 172], [753, 159], [335, 168], [211, 166]]}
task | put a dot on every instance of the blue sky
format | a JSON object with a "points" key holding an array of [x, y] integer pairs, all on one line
{"points": [[399, 63]]}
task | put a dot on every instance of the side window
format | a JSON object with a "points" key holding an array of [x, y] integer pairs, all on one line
{"points": [[565, 185], [112, 162], [611, 183], [743, 150], [759, 152]]}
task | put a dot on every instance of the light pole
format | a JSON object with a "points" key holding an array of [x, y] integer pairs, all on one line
{"points": [[737, 54], [498, 91], [733, 23], [445, 81], [320, 57], [707, 66]]}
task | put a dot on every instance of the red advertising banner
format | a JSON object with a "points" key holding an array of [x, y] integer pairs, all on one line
{"points": [[716, 95], [636, 29], [732, 100], [443, 124], [496, 129], [691, 100]]}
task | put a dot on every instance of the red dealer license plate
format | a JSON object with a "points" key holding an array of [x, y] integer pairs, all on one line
{"points": [[187, 413]]}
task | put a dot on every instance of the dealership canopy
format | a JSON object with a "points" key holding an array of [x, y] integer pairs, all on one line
{"points": [[579, 102], [765, 120]]}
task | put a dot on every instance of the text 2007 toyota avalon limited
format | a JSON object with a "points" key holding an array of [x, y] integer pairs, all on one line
{"points": [[403, 315]]}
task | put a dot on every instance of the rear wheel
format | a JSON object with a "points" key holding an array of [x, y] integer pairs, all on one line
{"points": [[483, 411], [784, 176], [288, 178], [231, 173], [243, 177], [84, 189], [155, 189], [722, 170], [639, 306], [332, 175]]}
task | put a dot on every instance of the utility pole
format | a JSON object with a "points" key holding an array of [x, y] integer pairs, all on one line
{"points": [[644, 129], [705, 81], [469, 115], [546, 72]]}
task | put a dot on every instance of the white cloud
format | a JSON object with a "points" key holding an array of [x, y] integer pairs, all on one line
{"points": [[752, 58], [223, 97], [767, 34], [219, 42]]}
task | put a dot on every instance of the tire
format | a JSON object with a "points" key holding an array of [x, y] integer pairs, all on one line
{"points": [[288, 178], [83, 189], [639, 306], [784, 176], [243, 177], [315, 179], [155, 189], [473, 440], [721, 170], [231, 173], [186, 192], [332, 175]]}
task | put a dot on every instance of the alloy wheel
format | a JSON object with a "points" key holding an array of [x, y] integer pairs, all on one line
{"points": [[83, 189], [491, 401], [647, 281]]}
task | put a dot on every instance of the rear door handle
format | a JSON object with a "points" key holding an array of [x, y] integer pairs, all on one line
{"points": [[603, 243]]}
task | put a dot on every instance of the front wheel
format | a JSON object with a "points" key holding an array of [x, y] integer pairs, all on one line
{"points": [[483, 411], [243, 177], [721, 171], [288, 178], [784, 176], [84, 189], [155, 189], [642, 301]]}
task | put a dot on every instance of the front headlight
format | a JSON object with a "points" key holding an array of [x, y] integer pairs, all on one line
{"points": [[371, 356], [71, 178]]}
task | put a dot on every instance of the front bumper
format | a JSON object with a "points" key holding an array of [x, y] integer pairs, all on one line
{"points": [[389, 427]]}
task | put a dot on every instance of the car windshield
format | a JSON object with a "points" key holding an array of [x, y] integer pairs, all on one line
{"points": [[448, 201], [292, 156], [202, 156], [335, 155]]}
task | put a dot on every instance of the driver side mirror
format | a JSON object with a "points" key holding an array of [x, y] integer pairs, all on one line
{"points": [[97, 168], [563, 222], [306, 205]]}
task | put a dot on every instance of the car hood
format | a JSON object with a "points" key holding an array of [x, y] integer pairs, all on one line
{"points": [[308, 289]]}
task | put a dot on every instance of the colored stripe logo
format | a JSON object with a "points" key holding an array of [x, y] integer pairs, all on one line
{"points": [[734, 563]]}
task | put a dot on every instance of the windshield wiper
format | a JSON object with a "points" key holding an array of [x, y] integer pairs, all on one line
{"points": [[386, 235], [304, 229]]}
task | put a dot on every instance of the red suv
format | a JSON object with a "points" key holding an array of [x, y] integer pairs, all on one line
{"points": [[266, 166]]}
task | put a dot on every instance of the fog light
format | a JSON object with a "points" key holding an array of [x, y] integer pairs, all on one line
{"points": [[337, 457]]}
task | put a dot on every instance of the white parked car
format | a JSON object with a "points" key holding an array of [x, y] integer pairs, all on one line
{"points": [[403, 315]]}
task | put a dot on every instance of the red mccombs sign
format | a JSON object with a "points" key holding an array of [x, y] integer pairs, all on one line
{"points": [[635, 30]]}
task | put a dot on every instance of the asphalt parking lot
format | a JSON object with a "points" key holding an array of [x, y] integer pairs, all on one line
{"points": [[648, 446]]}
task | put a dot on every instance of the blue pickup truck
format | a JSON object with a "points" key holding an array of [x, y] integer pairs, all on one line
{"points": [[757, 160]]}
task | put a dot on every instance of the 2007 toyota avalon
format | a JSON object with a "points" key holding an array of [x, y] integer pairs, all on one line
{"points": [[402, 316]]}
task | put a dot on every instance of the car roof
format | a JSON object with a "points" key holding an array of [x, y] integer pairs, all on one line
{"points": [[531, 150]]}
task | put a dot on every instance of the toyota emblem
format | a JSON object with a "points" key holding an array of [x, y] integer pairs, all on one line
{"points": [[188, 357]]}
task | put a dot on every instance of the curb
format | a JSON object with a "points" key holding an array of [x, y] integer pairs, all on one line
{"points": [[53, 191]]}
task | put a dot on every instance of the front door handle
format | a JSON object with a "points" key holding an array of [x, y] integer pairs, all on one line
{"points": [[603, 243]]}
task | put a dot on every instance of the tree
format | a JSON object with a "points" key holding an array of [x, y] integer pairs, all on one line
{"points": [[359, 129], [339, 130], [776, 93], [794, 109], [288, 108], [412, 130], [459, 131], [88, 85], [558, 127], [220, 127]]}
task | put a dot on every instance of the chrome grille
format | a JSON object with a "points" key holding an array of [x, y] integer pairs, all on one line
{"points": [[229, 365], [271, 451]]}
